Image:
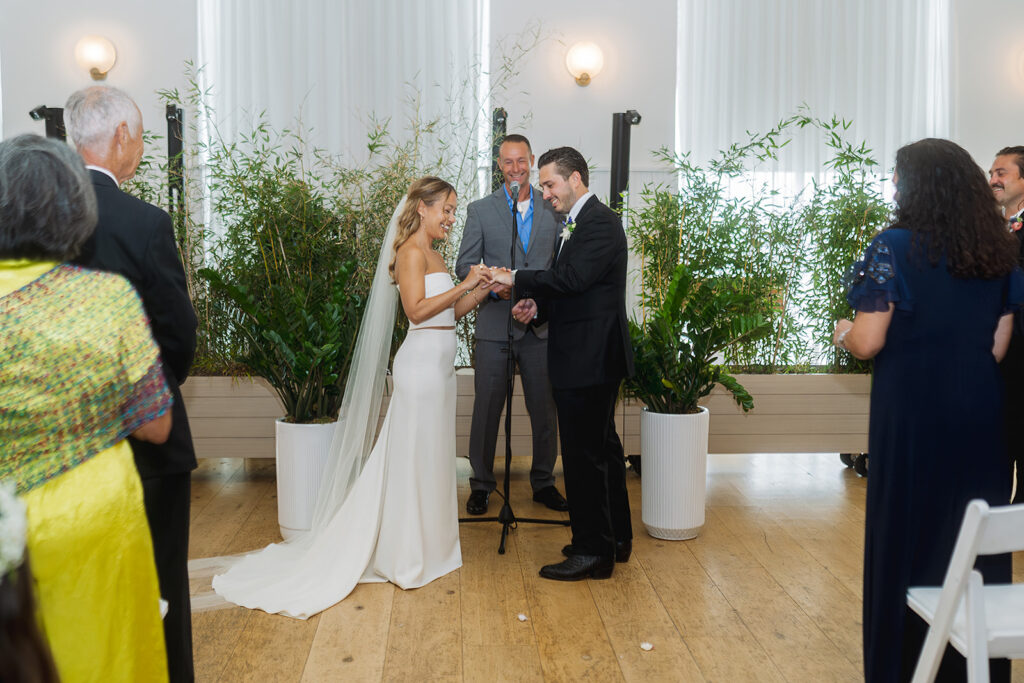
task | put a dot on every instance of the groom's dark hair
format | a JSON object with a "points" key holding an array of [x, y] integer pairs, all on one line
{"points": [[516, 137], [566, 160]]}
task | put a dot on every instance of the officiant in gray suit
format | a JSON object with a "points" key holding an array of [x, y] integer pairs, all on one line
{"points": [[488, 238]]}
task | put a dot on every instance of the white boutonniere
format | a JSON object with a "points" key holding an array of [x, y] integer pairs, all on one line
{"points": [[567, 229]]}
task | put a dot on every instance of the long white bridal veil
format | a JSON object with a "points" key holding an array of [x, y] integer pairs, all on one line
{"points": [[314, 570], [364, 389]]}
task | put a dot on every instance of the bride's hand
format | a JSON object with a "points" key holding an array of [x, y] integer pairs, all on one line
{"points": [[476, 275]]}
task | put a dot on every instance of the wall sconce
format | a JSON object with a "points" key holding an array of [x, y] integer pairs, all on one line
{"points": [[97, 54], [584, 61]]}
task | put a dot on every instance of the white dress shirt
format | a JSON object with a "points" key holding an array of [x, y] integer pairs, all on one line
{"points": [[103, 171]]}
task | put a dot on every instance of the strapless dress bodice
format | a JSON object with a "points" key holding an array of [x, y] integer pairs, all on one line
{"points": [[434, 284]]}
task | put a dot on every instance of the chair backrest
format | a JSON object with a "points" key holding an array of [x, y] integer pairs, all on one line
{"points": [[1002, 529], [984, 531]]}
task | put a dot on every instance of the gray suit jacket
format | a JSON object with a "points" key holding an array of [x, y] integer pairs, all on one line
{"points": [[487, 237]]}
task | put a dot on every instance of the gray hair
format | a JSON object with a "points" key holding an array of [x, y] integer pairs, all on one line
{"points": [[93, 114], [47, 203]]}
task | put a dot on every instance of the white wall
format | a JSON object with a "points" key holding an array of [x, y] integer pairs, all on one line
{"points": [[638, 41], [155, 38], [37, 66], [990, 76]]}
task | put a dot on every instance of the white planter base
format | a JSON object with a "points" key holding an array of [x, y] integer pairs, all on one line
{"points": [[672, 534], [302, 453], [673, 486]]}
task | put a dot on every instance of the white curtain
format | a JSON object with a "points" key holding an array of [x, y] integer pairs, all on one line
{"points": [[744, 65], [336, 63]]}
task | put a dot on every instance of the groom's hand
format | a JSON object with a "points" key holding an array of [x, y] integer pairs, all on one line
{"points": [[525, 310], [502, 276]]}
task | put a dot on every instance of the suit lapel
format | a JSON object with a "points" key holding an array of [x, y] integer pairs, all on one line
{"points": [[539, 216], [589, 204]]}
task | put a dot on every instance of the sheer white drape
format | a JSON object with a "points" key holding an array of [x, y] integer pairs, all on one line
{"points": [[334, 63], [743, 65]]}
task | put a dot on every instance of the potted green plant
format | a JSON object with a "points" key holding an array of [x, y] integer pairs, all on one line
{"points": [[788, 250], [287, 275], [677, 349]]}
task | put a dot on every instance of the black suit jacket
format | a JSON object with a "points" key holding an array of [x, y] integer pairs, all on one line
{"points": [[136, 240], [583, 295], [1012, 365]]}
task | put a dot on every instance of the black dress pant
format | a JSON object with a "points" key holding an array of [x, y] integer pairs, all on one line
{"points": [[1012, 370], [594, 468], [168, 499]]}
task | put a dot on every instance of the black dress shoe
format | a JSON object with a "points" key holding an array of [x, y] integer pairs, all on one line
{"points": [[578, 567], [550, 496], [623, 549], [477, 503]]}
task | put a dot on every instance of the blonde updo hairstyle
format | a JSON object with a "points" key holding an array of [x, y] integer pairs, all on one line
{"points": [[429, 190]]}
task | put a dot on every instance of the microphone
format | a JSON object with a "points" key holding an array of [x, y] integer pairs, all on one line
{"points": [[513, 191]]}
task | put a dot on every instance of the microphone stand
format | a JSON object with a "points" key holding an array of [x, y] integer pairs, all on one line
{"points": [[506, 516]]}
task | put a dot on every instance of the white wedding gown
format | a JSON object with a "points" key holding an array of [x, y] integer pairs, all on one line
{"points": [[399, 519]]}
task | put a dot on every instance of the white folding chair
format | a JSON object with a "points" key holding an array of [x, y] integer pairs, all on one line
{"points": [[979, 621]]}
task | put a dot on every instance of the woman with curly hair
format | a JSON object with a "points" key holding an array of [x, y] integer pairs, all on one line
{"points": [[933, 296]]}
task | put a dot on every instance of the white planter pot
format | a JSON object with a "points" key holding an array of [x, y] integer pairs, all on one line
{"points": [[302, 452], [674, 450]]}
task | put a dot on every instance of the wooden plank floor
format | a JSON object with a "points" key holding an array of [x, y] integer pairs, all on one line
{"points": [[769, 591]]}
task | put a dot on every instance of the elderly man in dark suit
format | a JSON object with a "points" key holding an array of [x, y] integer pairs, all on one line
{"points": [[136, 240], [488, 238], [583, 295]]}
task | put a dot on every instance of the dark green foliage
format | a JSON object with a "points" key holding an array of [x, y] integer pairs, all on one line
{"points": [[676, 348], [302, 347]]}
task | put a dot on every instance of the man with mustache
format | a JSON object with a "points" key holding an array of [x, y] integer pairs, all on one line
{"points": [[1006, 177]]}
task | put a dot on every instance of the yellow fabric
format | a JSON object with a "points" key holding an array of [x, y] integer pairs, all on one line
{"points": [[92, 559], [16, 273]]}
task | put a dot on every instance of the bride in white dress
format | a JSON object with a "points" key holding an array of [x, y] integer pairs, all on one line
{"points": [[390, 513]]}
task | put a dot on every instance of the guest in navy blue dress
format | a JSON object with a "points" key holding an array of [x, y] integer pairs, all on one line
{"points": [[933, 296]]}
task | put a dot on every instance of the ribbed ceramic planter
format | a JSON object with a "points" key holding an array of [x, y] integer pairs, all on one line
{"points": [[673, 487], [302, 452]]}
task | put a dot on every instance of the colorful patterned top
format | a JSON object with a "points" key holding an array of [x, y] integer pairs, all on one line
{"points": [[79, 370]]}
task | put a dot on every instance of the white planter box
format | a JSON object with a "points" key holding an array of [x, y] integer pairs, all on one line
{"points": [[675, 466], [234, 417], [792, 414]]}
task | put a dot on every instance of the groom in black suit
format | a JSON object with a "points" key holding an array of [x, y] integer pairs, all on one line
{"points": [[136, 240], [583, 296]]}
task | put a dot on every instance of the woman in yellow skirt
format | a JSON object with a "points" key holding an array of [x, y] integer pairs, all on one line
{"points": [[79, 372]]}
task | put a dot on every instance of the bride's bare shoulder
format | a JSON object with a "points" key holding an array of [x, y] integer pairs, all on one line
{"points": [[410, 262]]}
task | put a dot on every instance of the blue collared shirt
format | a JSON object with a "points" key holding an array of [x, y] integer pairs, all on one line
{"points": [[524, 221]]}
